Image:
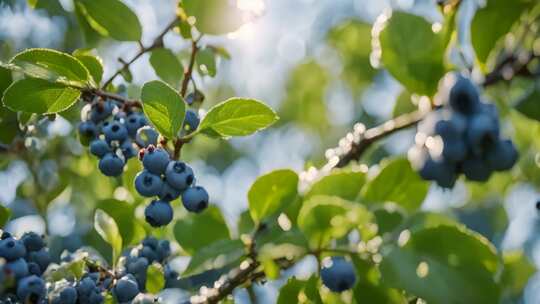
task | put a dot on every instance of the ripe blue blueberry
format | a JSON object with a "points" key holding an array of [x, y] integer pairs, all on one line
{"points": [[33, 241], [454, 150], [18, 267], [148, 184], [464, 96], [111, 165], [168, 193], [66, 295], [126, 289], [31, 289], [134, 122], [191, 122], [163, 250], [99, 148], [502, 156], [87, 130], [338, 274], [12, 249], [440, 171], [151, 242], [115, 130], [40, 257], [34, 269], [195, 199], [88, 292], [179, 175], [138, 267], [149, 254], [101, 111], [155, 160], [146, 136], [482, 132], [158, 213], [476, 169], [128, 150]]}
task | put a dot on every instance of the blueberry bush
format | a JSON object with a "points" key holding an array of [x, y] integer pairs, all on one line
{"points": [[356, 224]]}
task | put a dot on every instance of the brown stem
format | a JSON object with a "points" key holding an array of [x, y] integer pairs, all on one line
{"points": [[158, 42], [189, 71]]}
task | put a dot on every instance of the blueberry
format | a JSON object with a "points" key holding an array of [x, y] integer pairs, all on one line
{"points": [[482, 133], [454, 150], [151, 242], [111, 165], [168, 193], [158, 213], [87, 131], [179, 175], [191, 122], [126, 289], [134, 122], [101, 111], [40, 257], [128, 150], [338, 274], [99, 148], [502, 156], [476, 169], [88, 292], [171, 277], [66, 295], [148, 184], [33, 241], [18, 267], [195, 199], [464, 96], [149, 254], [115, 130], [12, 249], [146, 136], [33, 268], [163, 250], [444, 173], [138, 267], [31, 289], [155, 160], [452, 128]]}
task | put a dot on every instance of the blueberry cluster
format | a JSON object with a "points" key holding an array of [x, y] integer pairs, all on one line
{"points": [[167, 179], [462, 137], [25, 260], [338, 274], [114, 134]]}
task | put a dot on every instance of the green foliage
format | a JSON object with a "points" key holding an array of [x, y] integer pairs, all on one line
{"points": [[167, 66], [214, 17], [214, 256], [155, 280], [237, 117], [271, 192], [5, 214], [341, 183], [206, 62], [164, 107], [529, 103], [209, 227], [111, 18], [122, 213], [370, 288], [408, 189], [517, 271], [412, 52], [107, 228], [93, 64]]}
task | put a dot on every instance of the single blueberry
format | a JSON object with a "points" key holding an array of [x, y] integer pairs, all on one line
{"points": [[134, 122], [168, 193], [179, 175], [482, 133], [195, 199], [115, 130], [111, 165], [148, 184], [31, 289], [126, 288], [158, 213], [191, 122], [502, 156], [18, 267], [66, 295], [476, 169], [101, 111], [155, 160], [87, 131], [99, 148], [128, 150], [464, 97], [40, 257], [146, 136], [12, 249], [338, 274]]}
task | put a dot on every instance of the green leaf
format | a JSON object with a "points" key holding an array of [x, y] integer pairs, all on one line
{"points": [[389, 216], [216, 255], [112, 18], [445, 258], [51, 65], [369, 288], [208, 226], [9, 126], [66, 271], [413, 53], [39, 96], [517, 271], [206, 62], [245, 223], [403, 104], [289, 292], [164, 107], [93, 64], [323, 218], [498, 16], [123, 214], [214, 17], [106, 227], [91, 37], [271, 192], [529, 103], [5, 79], [5, 214], [342, 183], [155, 279], [237, 117], [167, 66], [396, 182]]}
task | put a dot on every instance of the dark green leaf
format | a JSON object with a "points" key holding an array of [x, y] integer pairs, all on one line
{"points": [[5, 214], [412, 52], [214, 17], [342, 183], [106, 227], [389, 216], [9, 126], [5, 79], [93, 64], [34, 95], [245, 223], [403, 104], [164, 107], [529, 103], [155, 279], [517, 271], [52, 65], [445, 258], [369, 288], [167, 66], [215, 255], [123, 214], [206, 62], [112, 18], [492, 22], [208, 226], [397, 182], [270, 193], [237, 117]]}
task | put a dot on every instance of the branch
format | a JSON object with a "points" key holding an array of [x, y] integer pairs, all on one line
{"points": [[189, 71], [158, 42]]}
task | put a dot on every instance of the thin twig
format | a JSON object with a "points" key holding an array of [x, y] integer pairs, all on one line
{"points": [[188, 73], [158, 42]]}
